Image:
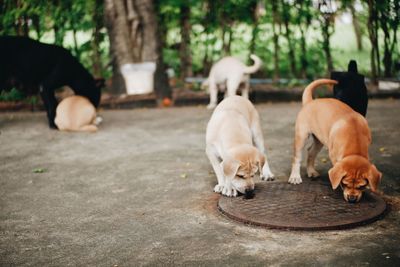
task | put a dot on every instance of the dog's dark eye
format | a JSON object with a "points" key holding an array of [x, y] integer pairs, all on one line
{"points": [[362, 187], [240, 176]]}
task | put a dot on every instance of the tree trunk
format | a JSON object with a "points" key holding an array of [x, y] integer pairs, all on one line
{"points": [[286, 17], [58, 35], [2, 11], [59, 31], [211, 8], [389, 21], [357, 27], [120, 43], [377, 53], [152, 50], [207, 60], [36, 25], [97, 67], [227, 39], [275, 21], [303, 20], [117, 18], [185, 53], [387, 55], [289, 37], [255, 6], [25, 25], [372, 37], [76, 47], [254, 33], [326, 45], [303, 54]]}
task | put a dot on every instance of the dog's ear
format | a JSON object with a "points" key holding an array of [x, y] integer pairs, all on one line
{"points": [[352, 67], [374, 177], [261, 162], [336, 174], [229, 167]]}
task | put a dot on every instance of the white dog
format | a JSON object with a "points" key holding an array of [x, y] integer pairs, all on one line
{"points": [[235, 147], [230, 72]]}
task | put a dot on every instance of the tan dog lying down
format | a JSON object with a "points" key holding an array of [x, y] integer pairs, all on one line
{"points": [[345, 132], [230, 72], [235, 146], [76, 113]]}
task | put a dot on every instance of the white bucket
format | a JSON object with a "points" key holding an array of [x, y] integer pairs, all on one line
{"points": [[139, 77], [388, 85]]}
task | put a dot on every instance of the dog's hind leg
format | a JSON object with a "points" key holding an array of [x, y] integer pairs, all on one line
{"points": [[232, 86], [213, 94], [246, 88], [215, 162], [299, 141], [313, 150]]}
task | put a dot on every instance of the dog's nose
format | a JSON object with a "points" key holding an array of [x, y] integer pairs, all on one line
{"points": [[248, 193], [352, 199]]}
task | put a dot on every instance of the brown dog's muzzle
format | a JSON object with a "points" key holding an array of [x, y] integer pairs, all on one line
{"points": [[352, 199]]}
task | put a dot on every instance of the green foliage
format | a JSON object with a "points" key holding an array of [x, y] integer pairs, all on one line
{"points": [[78, 25], [72, 24], [12, 95], [32, 100]]}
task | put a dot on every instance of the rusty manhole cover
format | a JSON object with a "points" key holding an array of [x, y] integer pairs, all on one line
{"points": [[308, 206]]}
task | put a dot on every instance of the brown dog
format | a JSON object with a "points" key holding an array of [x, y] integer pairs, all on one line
{"points": [[76, 113], [345, 132]]}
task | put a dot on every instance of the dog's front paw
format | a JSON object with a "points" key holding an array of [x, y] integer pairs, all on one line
{"points": [[312, 173], [229, 191], [294, 179], [266, 173], [211, 106], [218, 188], [268, 177]]}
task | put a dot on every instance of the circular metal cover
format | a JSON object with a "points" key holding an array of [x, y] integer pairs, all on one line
{"points": [[308, 206]]}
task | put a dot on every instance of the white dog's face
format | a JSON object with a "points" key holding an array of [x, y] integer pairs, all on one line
{"points": [[242, 169], [244, 179]]}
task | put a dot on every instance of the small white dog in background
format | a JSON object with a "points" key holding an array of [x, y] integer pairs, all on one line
{"points": [[235, 147], [230, 72]]}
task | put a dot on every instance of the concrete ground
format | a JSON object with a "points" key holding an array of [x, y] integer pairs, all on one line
{"points": [[139, 193]]}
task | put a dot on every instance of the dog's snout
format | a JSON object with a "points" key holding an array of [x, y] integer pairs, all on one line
{"points": [[249, 193], [352, 199]]}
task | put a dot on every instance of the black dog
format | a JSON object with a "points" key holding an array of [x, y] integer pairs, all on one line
{"points": [[31, 64], [351, 88]]}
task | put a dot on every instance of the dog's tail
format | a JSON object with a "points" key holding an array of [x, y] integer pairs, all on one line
{"points": [[307, 94], [255, 67]]}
